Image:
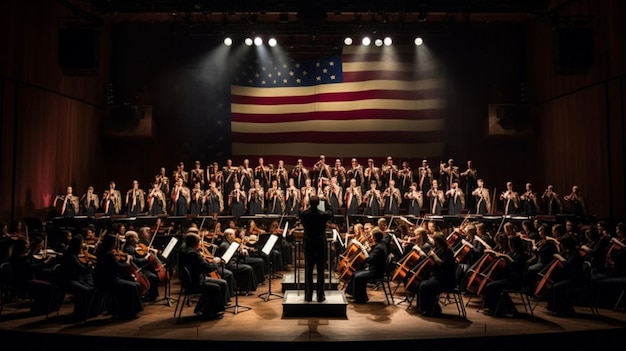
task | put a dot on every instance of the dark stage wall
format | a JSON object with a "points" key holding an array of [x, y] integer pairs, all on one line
{"points": [[53, 123]]}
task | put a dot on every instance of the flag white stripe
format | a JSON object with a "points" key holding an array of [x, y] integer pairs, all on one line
{"points": [[359, 125]]}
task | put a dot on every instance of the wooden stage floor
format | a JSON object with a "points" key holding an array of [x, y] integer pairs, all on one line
{"points": [[263, 325]]}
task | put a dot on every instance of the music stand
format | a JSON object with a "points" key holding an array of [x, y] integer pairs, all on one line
{"points": [[168, 267], [267, 249], [232, 250]]}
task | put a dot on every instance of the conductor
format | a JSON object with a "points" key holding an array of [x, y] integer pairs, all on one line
{"points": [[314, 220]]}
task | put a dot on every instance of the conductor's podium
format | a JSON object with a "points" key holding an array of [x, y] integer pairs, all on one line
{"points": [[335, 305]]}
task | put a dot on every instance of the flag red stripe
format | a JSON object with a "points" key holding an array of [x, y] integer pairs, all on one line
{"points": [[372, 137], [344, 96], [387, 75], [339, 116]]}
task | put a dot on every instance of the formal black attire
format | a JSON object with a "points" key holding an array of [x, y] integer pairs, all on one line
{"points": [[314, 222], [376, 266], [144, 264], [76, 278], [123, 296], [246, 279], [572, 276], [512, 278], [442, 278]]}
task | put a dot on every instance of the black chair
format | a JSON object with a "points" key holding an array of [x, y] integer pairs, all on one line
{"points": [[524, 293], [187, 292], [583, 293], [455, 295], [385, 280]]}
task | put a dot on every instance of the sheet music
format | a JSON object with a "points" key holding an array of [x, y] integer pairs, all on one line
{"points": [[170, 246], [269, 244], [230, 252], [397, 242], [336, 236], [285, 230]]}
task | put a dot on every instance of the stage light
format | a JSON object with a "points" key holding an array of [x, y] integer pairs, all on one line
{"points": [[248, 41], [258, 41], [228, 41], [387, 41], [366, 41], [378, 42], [272, 42], [419, 41], [347, 41]]}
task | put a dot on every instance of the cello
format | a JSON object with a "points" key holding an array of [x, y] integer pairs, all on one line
{"points": [[406, 265], [493, 271], [131, 272], [351, 261], [153, 260], [548, 276], [420, 273]]}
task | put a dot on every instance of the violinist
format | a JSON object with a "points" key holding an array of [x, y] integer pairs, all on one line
{"points": [[26, 274], [511, 277], [64, 240], [284, 246], [251, 240], [442, 277], [245, 276], [375, 267], [559, 302], [123, 295], [76, 277], [139, 253], [215, 294]]}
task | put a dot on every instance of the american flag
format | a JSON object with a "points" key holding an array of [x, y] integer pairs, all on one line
{"points": [[367, 102]]}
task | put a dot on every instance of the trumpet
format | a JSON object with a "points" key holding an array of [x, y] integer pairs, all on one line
{"points": [[571, 196]]}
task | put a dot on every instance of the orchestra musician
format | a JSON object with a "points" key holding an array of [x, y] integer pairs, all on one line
{"points": [[246, 175], [89, 203], [214, 291], [275, 199], [442, 277], [482, 199], [197, 197], [571, 275], [392, 199], [471, 183], [596, 245], [307, 192], [123, 295], [512, 277], [355, 172], [156, 200], [163, 180], [448, 174], [542, 253], [263, 174], [299, 174], [388, 172], [181, 198], [375, 267], [256, 199], [181, 173], [436, 198], [529, 202], [142, 262], [353, 197], [510, 200], [135, 201], [615, 261], [237, 201], [373, 200], [425, 177], [578, 206], [292, 198], [371, 173], [340, 173], [68, 205], [213, 200], [456, 199], [333, 193], [551, 201]]}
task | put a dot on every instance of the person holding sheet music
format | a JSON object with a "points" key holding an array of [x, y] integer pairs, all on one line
{"points": [[314, 222]]}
